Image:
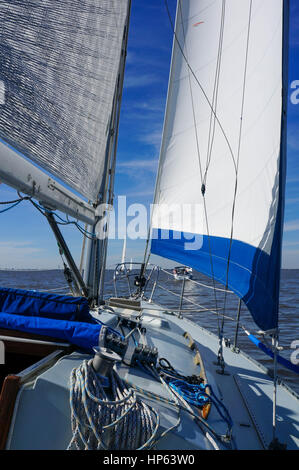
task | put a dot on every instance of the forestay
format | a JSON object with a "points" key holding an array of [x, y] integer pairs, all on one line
{"points": [[59, 64], [222, 162]]}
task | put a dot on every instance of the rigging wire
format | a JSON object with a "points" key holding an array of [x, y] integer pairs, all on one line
{"points": [[216, 119], [20, 199], [44, 210], [211, 105], [10, 207], [210, 142], [238, 159], [201, 87], [181, 400], [215, 94], [13, 203]]}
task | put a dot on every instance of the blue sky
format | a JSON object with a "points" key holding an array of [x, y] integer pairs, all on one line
{"points": [[25, 238]]}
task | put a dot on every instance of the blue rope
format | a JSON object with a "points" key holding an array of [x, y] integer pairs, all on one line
{"points": [[193, 394], [218, 403], [43, 209], [135, 342], [10, 207], [196, 395], [65, 222]]}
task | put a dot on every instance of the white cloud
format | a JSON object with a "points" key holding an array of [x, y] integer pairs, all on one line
{"points": [[144, 164], [292, 200], [293, 180], [139, 81], [293, 142], [291, 226], [23, 254], [25, 246], [152, 138], [153, 106], [294, 14], [145, 193], [286, 245], [290, 259]]}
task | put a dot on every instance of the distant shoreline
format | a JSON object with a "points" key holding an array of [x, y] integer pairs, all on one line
{"points": [[30, 269], [59, 269]]}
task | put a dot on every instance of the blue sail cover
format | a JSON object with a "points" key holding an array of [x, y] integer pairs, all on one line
{"points": [[219, 199], [83, 335], [43, 304], [61, 317]]}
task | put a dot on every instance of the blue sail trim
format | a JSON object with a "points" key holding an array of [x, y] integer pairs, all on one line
{"points": [[253, 274], [61, 317]]}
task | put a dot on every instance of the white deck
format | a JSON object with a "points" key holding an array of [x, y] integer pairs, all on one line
{"points": [[42, 412]]}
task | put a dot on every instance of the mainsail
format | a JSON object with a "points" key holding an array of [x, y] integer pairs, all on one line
{"points": [[223, 150], [59, 65]]}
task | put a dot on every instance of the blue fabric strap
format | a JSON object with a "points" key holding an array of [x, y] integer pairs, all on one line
{"points": [[281, 360]]}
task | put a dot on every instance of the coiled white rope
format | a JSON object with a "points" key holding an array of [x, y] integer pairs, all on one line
{"points": [[111, 418]]}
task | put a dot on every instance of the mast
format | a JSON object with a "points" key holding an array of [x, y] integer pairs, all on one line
{"points": [[97, 250], [110, 191], [284, 119], [275, 444]]}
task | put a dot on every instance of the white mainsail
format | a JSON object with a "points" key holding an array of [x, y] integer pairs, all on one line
{"points": [[223, 147], [59, 66]]}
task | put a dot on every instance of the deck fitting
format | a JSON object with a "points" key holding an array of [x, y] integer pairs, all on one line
{"points": [[276, 445], [220, 362], [221, 372]]}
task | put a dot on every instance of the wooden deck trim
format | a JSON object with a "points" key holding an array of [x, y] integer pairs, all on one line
{"points": [[199, 362], [9, 392]]}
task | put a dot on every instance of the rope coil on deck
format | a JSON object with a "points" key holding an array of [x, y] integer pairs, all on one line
{"points": [[99, 422]]}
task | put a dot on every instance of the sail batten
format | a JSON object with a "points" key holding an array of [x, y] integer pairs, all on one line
{"points": [[223, 148], [59, 66]]}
